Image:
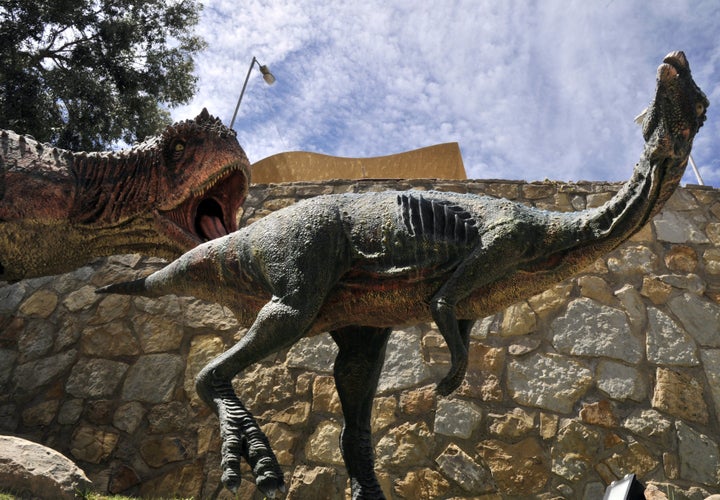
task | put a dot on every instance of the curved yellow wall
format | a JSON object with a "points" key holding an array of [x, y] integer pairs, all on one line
{"points": [[442, 161]]}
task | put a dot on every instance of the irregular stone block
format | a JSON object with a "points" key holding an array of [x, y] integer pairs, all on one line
{"points": [[518, 319], [40, 304], [650, 424], [163, 450], [592, 329], [634, 307], [111, 308], [383, 413], [31, 470], [621, 382], [153, 378], [404, 366], [711, 363], [596, 288], [81, 299], [203, 349], [681, 395], [667, 343], [128, 416], [314, 482], [457, 418], [599, 413], [407, 445], [699, 456], [36, 340], [423, 484], [548, 381], [637, 259], [633, 459], [463, 470], [676, 227], [325, 396], [575, 450], [322, 446], [551, 301], [94, 378], [109, 341], [681, 258], [185, 482], [92, 444], [513, 425], [699, 317], [157, 333], [262, 384], [199, 314], [316, 353], [519, 469]]}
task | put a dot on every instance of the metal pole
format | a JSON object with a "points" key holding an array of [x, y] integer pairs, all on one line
{"points": [[237, 106], [695, 169]]}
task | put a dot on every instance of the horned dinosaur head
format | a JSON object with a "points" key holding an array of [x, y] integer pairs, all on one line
{"points": [[679, 108], [205, 180]]}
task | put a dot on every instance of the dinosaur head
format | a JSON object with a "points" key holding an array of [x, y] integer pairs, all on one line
{"points": [[204, 180], [679, 108]]}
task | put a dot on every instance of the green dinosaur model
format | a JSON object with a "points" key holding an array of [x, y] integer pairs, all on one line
{"points": [[359, 264], [59, 209]]}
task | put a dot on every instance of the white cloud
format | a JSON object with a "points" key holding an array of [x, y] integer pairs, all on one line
{"points": [[529, 91]]}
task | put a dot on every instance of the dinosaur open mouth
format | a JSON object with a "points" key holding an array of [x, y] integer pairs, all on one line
{"points": [[210, 213]]}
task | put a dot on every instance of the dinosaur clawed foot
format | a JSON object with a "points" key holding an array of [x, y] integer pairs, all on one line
{"points": [[454, 378], [268, 476]]}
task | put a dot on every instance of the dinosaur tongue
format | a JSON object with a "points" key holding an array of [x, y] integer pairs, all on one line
{"points": [[211, 227]]}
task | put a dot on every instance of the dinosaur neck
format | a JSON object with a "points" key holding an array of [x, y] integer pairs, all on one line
{"points": [[113, 186]]}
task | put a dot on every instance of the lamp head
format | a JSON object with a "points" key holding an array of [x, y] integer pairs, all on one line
{"points": [[267, 76]]}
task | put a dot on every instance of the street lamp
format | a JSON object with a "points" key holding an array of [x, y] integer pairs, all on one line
{"points": [[267, 76]]}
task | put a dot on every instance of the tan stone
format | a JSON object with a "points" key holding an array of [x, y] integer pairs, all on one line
{"points": [[158, 333], [384, 413], [510, 426], [595, 200], [711, 257], [481, 385], [600, 413], [41, 304], [263, 384], [283, 441], [109, 341], [91, 444], [435, 351], [671, 465], [485, 358], [652, 492], [518, 319], [506, 190], [110, 309], [681, 258], [422, 484], [185, 482], [40, 414], [548, 425], [418, 401], [713, 232], [551, 301], [644, 235], [633, 259], [164, 450], [203, 348], [81, 298], [314, 482], [635, 458], [596, 288], [325, 396], [407, 445], [518, 469], [294, 415], [322, 446], [681, 395], [537, 191], [655, 290], [122, 478]]}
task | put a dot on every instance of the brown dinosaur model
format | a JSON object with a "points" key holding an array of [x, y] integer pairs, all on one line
{"points": [[59, 209], [358, 264]]}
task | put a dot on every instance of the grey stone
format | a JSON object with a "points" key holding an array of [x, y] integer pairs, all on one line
{"points": [[404, 366], [36, 339], [690, 282], [457, 418], [592, 329], [7, 361], [650, 424], [667, 343], [70, 411], [634, 260], [699, 317], [634, 307], [153, 378], [313, 353], [620, 381], [699, 456], [11, 296], [92, 378], [128, 416], [461, 468], [31, 470], [548, 381], [675, 227], [81, 299], [575, 450], [29, 376], [711, 363]]}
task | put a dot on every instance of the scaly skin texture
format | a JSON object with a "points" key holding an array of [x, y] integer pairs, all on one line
{"points": [[359, 264], [59, 209]]}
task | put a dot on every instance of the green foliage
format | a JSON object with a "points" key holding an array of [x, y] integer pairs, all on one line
{"points": [[83, 74]]}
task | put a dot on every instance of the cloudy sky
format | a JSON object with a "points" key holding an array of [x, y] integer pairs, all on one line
{"points": [[530, 90]]}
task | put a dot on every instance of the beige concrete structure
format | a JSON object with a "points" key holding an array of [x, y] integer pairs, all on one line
{"points": [[442, 161]]}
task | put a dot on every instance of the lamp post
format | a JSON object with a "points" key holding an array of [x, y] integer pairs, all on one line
{"points": [[267, 76]]}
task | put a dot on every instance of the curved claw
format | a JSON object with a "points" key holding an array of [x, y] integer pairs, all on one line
{"points": [[270, 485]]}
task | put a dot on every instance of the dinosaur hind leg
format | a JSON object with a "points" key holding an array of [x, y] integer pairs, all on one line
{"points": [[357, 371], [278, 324]]}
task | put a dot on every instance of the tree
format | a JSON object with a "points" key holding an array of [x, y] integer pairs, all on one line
{"points": [[84, 74]]}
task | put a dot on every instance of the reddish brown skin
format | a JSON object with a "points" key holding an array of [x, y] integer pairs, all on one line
{"points": [[59, 209]]}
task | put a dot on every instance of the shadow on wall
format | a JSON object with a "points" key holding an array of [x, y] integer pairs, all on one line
{"points": [[442, 161]]}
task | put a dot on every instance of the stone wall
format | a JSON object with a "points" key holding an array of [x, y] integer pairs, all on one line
{"points": [[614, 371]]}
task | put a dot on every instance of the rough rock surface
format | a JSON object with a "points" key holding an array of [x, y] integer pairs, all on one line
{"points": [[29, 469]]}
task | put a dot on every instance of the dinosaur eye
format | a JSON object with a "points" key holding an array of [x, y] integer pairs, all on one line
{"points": [[699, 109], [177, 150]]}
